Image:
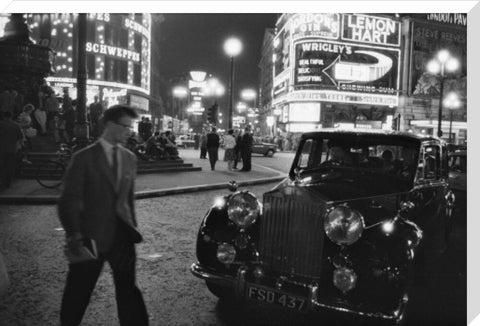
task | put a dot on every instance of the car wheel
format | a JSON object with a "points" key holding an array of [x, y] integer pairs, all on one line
{"points": [[270, 153], [223, 293]]}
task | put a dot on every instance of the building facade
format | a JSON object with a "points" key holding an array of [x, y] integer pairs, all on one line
{"points": [[367, 71], [266, 82], [118, 48], [425, 35]]}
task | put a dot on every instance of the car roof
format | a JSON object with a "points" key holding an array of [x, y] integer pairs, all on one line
{"points": [[404, 135]]}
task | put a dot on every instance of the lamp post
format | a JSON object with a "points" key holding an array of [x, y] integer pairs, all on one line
{"points": [[442, 64], [452, 102], [179, 93], [232, 48]]}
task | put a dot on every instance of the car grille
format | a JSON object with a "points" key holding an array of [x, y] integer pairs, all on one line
{"points": [[291, 236]]}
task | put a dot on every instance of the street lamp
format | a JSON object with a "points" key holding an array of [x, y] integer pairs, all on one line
{"points": [[180, 92], [249, 95], [452, 102], [232, 48], [442, 64]]}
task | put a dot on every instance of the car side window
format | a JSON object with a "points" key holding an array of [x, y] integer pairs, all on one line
{"points": [[303, 161], [430, 162]]}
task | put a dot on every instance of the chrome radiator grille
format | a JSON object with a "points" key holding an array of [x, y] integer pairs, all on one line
{"points": [[291, 236]]}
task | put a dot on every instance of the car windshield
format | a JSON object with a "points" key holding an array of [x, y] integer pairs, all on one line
{"points": [[357, 157]]}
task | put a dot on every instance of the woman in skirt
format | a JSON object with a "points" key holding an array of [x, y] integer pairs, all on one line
{"points": [[229, 144]]}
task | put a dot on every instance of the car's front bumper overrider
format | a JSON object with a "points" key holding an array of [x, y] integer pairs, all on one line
{"points": [[314, 298]]}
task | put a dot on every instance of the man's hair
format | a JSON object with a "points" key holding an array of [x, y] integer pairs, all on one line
{"points": [[230, 131], [214, 129], [116, 112]]}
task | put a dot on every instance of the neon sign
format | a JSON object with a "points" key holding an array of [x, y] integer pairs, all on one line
{"points": [[103, 17], [370, 29], [133, 25], [320, 25], [112, 51], [334, 96]]}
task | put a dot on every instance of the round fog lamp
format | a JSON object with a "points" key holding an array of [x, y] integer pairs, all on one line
{"points": [[226, 253], [344, 279]]}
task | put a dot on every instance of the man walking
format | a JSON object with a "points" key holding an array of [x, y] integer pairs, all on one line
{"points": [[213, 142], [97, 203], [246, 150], [10, 141]]}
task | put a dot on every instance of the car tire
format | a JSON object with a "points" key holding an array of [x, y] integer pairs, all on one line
{"points": [[223, 293], [270, 153]]}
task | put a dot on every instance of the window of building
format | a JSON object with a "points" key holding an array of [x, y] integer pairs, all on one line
{"points": [[137, 75]]}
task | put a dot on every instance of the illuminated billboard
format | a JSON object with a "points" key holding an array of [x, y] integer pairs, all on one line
{"points": [[118, 50], [346, 67], [370, 30]]}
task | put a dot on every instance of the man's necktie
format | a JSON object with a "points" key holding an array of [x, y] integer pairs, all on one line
{"points": [[115, 164]]}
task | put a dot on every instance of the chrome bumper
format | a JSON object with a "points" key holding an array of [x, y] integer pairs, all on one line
{"points": [[238, 283]]}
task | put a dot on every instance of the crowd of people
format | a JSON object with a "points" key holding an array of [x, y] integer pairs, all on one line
{"points": [[237, 145], [48, 115]]}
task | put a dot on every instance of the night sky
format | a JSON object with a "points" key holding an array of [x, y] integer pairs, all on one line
{"points": [[195, 42]]}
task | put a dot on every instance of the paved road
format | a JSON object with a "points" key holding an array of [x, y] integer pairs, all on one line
{"points": [[32, 245]]}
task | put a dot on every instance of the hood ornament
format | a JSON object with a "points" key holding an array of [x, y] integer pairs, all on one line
{"points": [[233, 186]]}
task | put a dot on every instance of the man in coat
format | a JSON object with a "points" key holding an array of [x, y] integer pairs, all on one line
{"points": [[213, 143], [246, 150], [97, 203]]}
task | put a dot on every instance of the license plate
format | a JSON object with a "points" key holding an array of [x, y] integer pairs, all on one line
{"points": [[275, 297]]}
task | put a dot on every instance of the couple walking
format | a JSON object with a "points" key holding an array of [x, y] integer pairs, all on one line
{"points": [[241, 146]]}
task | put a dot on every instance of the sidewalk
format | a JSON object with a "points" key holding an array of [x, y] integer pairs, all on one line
{"points": [[28, 191]]}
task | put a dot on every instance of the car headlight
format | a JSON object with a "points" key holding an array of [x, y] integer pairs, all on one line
{"points": [[343, 225], [243, 209]]}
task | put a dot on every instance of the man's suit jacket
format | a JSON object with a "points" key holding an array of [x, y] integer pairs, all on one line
{"points": [[90, 203]]}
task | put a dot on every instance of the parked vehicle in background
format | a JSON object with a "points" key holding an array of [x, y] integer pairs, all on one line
{"points": [[185, 141], [263, 148], [358, 216], [458, 175]]}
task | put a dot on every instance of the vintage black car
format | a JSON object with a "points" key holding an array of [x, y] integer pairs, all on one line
{"points": [[359, 214]]}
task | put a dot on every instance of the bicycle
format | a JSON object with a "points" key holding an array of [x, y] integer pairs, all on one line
{"points": [[50, 173]]}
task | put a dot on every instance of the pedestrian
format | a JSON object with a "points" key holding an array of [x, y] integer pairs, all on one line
{"points": [[247, 143], [59, 131], [10, 142], [203, 145], [96, 111], [69, 117], [238, 148], [196, 139], [141, 129], [229, 145], [41, 118], [97, 203], [148, 128], [213, 142], [25, 123], [52, 107]]}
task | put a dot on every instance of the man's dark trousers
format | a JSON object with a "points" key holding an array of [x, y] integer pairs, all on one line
{"points": [[212, 156], [7, 168], [82, 278], [247, 160]]}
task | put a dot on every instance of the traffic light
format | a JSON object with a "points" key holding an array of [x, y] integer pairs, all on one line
{"points": [[215, 114], [212, 114], [209, 114]]}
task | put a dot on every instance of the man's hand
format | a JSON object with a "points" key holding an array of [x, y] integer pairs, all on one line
{"points": [[74, 242]]}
